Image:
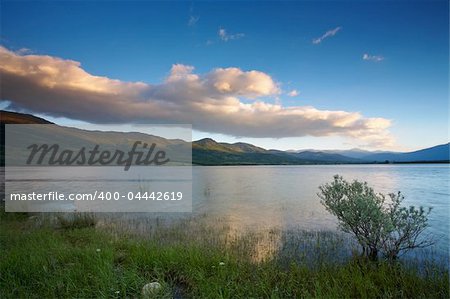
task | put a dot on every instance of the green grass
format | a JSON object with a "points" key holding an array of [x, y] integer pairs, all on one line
{"points": [[76, 220], [194, 259]]}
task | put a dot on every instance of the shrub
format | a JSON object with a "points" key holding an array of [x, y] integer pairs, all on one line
{"points": [[378, 225], [404, 228]]}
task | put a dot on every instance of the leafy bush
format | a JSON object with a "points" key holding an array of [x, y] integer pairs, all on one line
{"points": [[404, 227], [378, 225]]}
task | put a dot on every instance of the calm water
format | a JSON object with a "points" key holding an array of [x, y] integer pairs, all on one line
{"points": [[286, 196], [261, 197]]}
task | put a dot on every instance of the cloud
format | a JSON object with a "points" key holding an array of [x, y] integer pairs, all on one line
{"points": [[226, 36], [376, 58], [293, 93], [327, 34], [23, 51], [223, 100], [193, 20]]}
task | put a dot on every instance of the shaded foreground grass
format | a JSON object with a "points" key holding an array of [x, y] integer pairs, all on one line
{"points": [[194, 261]]}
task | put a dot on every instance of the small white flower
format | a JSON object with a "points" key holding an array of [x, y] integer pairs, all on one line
{"points": [[221, 264], [117, 292], [98, 250]]}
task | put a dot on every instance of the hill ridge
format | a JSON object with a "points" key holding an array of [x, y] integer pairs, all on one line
{"points": [[208, 151]]}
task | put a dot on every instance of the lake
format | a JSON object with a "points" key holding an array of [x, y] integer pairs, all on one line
{"points": [[284, 197], [256, 197]]}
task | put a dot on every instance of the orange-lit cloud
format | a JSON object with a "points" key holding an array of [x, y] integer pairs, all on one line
{"points": [[224, 100], [293, 93]]}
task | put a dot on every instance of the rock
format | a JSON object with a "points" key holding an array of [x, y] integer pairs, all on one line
{"points": [[151, 289]]}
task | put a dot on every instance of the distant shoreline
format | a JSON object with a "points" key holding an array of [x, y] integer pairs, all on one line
{"points": [[254, 164], [327, 164]]}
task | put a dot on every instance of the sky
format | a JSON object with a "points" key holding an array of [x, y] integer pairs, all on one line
{"points": [[281, 75]]}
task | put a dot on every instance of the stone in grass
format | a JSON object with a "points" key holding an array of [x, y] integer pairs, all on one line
{"points": [[151, 289]]}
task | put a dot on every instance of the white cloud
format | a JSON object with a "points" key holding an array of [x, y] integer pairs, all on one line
{"points": [[293, 93], [225, 36], [224, 100], [376, 58], [327, 34], [23, 51], [193, 20]]}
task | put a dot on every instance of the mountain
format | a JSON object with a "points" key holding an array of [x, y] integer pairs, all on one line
{"points": [[75, 139], [8, 117], [325, 156], [239, 147], [355, 153], [210, 152], [435, 153]]}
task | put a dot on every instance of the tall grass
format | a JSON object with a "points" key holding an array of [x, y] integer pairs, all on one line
{"points": [[76, 220], [197, 258]]}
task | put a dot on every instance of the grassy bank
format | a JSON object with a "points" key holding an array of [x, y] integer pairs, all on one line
{"points": [[194, 260]]}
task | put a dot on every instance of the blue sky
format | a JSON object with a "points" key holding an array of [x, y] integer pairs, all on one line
{"points": [[404, 78]]}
